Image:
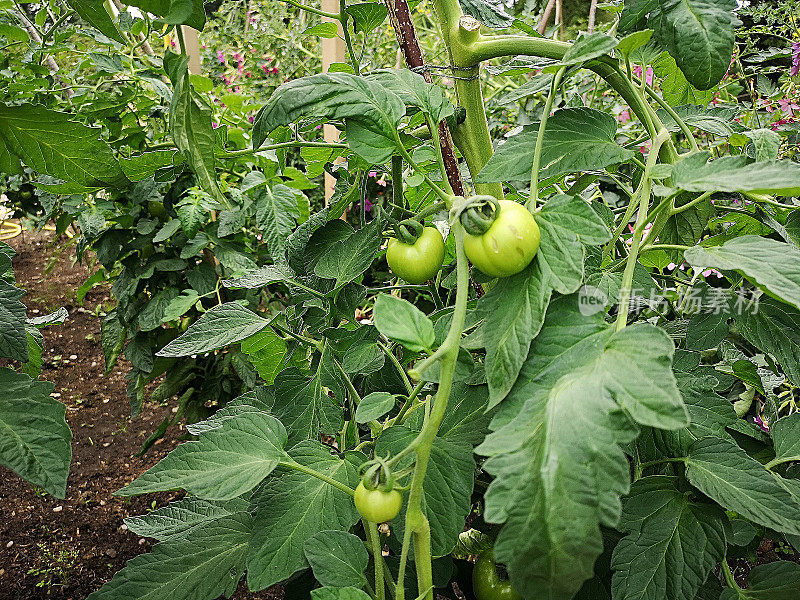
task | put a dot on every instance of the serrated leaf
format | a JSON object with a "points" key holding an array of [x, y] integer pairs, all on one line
{"points": [[302, 404], [786, 436], [575, 139], [337, 558], [291, 507], [190, 124], [671, 546], [404, 323], [207, 563], [13, 342], [733, 174], [346, 259], [559, 470], [34, 437], [222, 464], [53, 144], [778, 580], [367, 16], [371, 112], [222, 325], [276, 216], [770, 264], [374, 406], [699, 35], [413, 90], [95, 14], [491, 13], [588, 47], [265, 350], [725, 473], [178, 519]]}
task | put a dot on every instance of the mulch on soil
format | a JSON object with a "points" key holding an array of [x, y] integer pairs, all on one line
{"points": [[66, 549]]}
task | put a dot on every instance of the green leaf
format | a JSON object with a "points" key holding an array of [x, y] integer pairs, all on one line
{"points": [[634, 12], [671, 546], [331, 593], [725, 473], [190, 124], [718, 120], [367, 16], [95, 14], [588, 47], [291, 507], [266, 350], [778, 580], [206, 563], [491, 13], [222, 325], [733, 174], [303, 405], [346, 259], [634, 40], [51, 143], [699, 35], [175, 12], [556, 457], [374, 406], [261, 277], [449, 480], [765, 144], [786, 436], [276, 216], [371, 112], [772, 265], [152, 315], [13, 341], [537, 83], [223, 463], [413, 90], [34, 437], [575, 139], [404, 323], [675, 88], [178, 519], [143, 166], [323, 30], [337, 558]]}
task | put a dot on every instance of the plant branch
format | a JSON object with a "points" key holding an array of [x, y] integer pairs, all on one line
{"points": [[537, 152]]}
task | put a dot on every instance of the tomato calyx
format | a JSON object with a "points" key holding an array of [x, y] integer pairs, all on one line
{"points": [[409, 231], [376, 499], [479, 213]]}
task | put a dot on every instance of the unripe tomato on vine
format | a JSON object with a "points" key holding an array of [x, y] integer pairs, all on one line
{"points": [[418, 254], [502, 236], [377, 505]]}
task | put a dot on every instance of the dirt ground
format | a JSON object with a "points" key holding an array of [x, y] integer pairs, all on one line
{"points": [[65, 549]]}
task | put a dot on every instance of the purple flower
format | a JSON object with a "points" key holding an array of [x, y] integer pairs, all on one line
{"points": [[795, 59], [221, 57]]}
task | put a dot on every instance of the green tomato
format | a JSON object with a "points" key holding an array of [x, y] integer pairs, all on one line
{"points": [[417, 262], [156, 209], [486, 582], [377, 505], [509, 245]]}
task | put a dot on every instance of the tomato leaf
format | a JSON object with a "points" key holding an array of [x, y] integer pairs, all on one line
{"points": [[404, 323], [672, 544], [556, 451], [337, 558]]}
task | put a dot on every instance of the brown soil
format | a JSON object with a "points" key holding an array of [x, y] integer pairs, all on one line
{"points": [[65, 549]]}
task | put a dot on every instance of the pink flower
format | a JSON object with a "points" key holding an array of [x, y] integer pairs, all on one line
{"points": [[624, 116], [795, 59], [648, 78], [265, 68], [251, 118], [214, 125], [221, 56]]}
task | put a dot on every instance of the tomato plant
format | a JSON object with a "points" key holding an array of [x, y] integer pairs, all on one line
{"points": [[608, 400]]}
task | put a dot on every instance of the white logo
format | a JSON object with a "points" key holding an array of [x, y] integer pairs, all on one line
{"points": [[591, 300]]}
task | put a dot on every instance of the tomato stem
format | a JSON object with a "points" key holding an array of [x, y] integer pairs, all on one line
{"points": [[537, 153]]}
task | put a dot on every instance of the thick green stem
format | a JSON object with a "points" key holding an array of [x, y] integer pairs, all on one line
{"points": [[416, 522], [377, 557]]}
